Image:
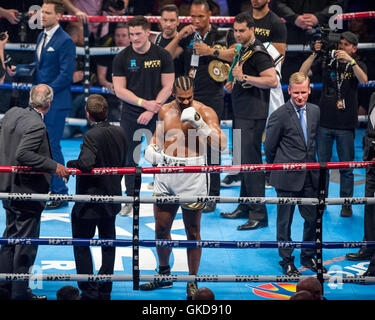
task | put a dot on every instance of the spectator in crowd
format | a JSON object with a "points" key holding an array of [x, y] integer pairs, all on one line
{"points": [[302, 295], [24, 142], [254, 73], [103, 146], [85, 8], [196, 43], [290, 138], [143, 76], [203, 293], [301, 17], [104, 71], [339, 105], [68, 293], [311, 285]]}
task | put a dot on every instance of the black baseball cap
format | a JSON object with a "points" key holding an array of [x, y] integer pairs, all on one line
{"points": [[350, 37]]}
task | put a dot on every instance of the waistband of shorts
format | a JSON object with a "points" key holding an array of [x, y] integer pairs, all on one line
{"points": [[169, 161]]}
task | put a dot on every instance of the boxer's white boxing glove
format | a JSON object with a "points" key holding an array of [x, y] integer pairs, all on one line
{"points": [[195, 119], [153, 154]]}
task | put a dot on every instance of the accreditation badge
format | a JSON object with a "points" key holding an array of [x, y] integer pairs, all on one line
{"points": [[340, 104]]}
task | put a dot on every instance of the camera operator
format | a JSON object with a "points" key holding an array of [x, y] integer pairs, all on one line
{"points": [[369, 218], [338, 104]]}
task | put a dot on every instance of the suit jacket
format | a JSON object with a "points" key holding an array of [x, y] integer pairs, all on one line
{"points": [[103, 146], [24, 142], [285, 143], [369, 131], [56, 67]]}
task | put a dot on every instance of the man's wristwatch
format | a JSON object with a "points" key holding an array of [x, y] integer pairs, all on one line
{"points": [[216, 53], [244, 78]]}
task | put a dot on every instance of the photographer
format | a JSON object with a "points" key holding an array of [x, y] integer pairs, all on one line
{"points": [[340, 71]]}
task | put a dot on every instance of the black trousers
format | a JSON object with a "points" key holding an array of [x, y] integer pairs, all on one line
{"points": [[22, 221], [369, 218], [253, 183], [85, 228], [213, 156], [133, 135], [285, 219]]}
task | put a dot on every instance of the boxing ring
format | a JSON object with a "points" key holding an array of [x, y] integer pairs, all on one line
{"points": [[137, 242]]}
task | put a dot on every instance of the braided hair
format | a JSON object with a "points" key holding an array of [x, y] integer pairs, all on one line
{"points": [[184, 83]]}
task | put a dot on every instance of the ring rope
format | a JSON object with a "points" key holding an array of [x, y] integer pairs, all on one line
{"points": [[176, 278], [98, 51], [206, 169], [216, 19], [218, 244]]}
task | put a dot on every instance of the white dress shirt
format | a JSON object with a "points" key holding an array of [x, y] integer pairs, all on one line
{"points": [[50, 34]]}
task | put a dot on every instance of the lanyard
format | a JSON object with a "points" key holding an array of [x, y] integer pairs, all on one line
{"points": [[199, 38], [340, 79]]}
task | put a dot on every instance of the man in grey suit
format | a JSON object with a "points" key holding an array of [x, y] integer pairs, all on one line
{"points": [[290, 138], [24, 142]]}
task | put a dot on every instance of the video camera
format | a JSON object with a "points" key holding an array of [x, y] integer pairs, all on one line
{"points": [[329, 40]]}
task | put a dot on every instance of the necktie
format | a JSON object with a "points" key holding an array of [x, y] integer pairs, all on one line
{"points": [[43, 43], [303, 123]]}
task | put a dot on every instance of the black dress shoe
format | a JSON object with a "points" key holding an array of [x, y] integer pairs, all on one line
{"points": [[358, 256], [313, 265], [289, 268], [56, 204], [236, 214], [253, 224], [209, 207], [33, 296]]}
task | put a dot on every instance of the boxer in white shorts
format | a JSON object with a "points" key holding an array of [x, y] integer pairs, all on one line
{"points": [[182, 184], [184, 129]]}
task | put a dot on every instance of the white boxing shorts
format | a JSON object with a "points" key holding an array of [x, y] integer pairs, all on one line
{"points": [[182, 184]]}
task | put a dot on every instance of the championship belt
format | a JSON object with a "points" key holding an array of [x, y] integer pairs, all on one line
{"points": [[237, 54], [218, 70]]}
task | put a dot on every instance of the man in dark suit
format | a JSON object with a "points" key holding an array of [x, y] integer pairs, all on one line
{"points": [[55, 62], [24, 142], [290, 138], [104, 145], [369, 218]]}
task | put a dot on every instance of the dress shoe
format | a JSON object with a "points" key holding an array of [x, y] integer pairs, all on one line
{"points": [[231, 180], [312, 265], [289, 268], [56, 204], [346, 211], [236, 214], [253, 224], [358, 256], [209, 207], [370, 272], [33, 296]]}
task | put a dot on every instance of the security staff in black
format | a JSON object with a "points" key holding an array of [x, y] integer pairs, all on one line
{"points": [[254, 74]]}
